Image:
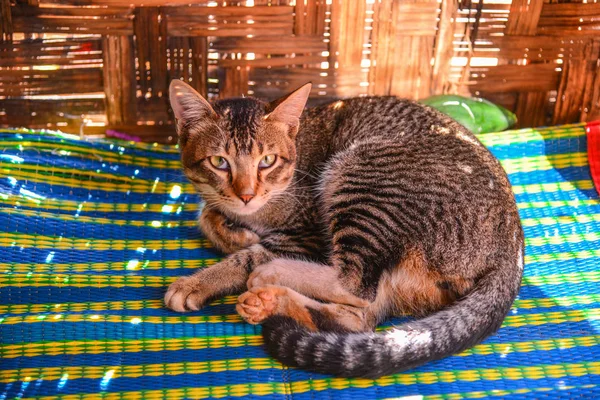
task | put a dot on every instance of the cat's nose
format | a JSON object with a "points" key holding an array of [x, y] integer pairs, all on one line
{"points": [[246, 198]]}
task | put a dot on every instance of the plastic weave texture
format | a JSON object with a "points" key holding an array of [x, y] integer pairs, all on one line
{"points": [[92, 233]]}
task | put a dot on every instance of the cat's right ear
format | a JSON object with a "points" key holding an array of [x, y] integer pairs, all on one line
{"points": [[188, 104]]}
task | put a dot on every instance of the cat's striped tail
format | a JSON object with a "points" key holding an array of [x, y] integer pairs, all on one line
{"points": [[371, 355]]}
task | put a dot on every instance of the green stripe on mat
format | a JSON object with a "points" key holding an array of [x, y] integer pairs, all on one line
{"points": [[532, 135], [544, 163]]}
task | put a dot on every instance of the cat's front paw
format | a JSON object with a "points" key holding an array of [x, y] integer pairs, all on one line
{"points": [[225, 235], [236, 240], [185, 294]]}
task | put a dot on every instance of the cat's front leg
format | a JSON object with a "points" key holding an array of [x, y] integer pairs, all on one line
{"points": [[225, 235], [310, 279], [190, 293]]}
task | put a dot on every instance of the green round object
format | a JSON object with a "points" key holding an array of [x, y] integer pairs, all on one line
{"points": [[476, 114]]}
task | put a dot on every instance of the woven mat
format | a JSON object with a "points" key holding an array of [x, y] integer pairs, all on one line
{"points": [[93, 233]]}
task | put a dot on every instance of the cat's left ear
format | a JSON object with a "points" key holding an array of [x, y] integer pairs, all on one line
{"points": [[289, 109]]}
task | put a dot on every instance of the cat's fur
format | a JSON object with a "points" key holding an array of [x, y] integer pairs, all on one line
{"points": [[376, 207]]}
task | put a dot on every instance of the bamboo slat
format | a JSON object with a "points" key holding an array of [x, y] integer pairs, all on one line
{"points": [[83, 13], [538, 58], [347, 33], [48, 114], [271, 45], [235, 82], [518, 78], [576, 91], [558, 19], [6, 24], [540, 47], [401, 29], [524, 17], [444, 47], [229, 21], [531, 108], [150, 49], [119, 79]]}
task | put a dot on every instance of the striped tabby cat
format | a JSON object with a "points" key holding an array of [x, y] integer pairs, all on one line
{"points": [[342, 216]]}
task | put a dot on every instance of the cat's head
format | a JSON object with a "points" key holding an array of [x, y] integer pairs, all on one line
{"points": [[239, 153]]}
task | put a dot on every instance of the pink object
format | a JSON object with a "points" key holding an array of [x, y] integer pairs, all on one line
{"points": [[121, 135]]}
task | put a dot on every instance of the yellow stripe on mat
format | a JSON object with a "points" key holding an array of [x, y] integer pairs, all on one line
{"points": [[511, 165], [37, 280], [108, 266], [75, 347], [134, 371], [564, 256], [553, 187], [84, 206], [544, 162], [94, 181], [170, 209], [163, 223], [99, 281], [512, 321], [126, 184], [156, 304], [561, 220], [499, 393], [69, 205], [96, 306], [317, 385], [24, 268], [132, 319], [558, 203], [97, 154], [63, 243]]}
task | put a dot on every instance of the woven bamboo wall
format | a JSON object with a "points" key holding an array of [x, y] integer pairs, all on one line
{"points": [[87, 65]]}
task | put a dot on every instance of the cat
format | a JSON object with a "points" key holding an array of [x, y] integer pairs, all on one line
{"points": [[340, 216]]}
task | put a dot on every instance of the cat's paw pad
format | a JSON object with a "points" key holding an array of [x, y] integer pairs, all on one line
{"points": [[258, 304], [185, 294]]}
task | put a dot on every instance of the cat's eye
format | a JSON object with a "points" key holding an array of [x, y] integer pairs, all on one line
{"points": [[267, 161], [219, 162]]}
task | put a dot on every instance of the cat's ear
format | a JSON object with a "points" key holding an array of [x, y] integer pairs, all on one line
{"points": [[188, 104], [289, 109]]}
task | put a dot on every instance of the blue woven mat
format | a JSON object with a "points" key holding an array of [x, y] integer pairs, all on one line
{"points": [[92, 233]]}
